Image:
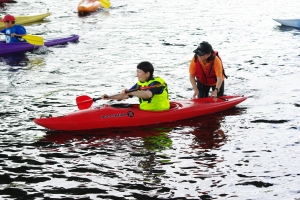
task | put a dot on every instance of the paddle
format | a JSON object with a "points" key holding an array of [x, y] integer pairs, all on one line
{"points": [[32, 39], [84, 101], [105, 3]]}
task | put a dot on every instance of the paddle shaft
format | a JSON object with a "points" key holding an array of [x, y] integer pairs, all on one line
{"points": [[133, 90], [84, 102], [19, 36], [31, 39]]}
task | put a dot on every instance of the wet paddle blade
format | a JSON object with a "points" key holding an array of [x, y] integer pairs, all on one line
{"points": [[105, 3], [34, 39], [84, 102]]}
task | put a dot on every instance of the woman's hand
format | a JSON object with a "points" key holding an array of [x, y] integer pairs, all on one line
{"points": [[214, 93], [13, 35], [104, 96], [195, 95]]}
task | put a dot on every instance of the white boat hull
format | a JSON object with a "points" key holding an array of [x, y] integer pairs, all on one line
{"points": [[289, 22]]}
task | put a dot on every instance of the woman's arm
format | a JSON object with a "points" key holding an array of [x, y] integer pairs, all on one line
{"points": [[218, 86], [142, 94], [194, 85]]}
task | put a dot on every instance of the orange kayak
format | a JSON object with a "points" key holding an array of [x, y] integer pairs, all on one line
{"points": [[89, 5]]}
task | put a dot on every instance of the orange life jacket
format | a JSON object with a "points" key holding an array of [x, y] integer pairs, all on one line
{"points": [[208, 77]]}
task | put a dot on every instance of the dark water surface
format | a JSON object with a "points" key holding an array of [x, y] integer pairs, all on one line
{"points": [[248, 152]]}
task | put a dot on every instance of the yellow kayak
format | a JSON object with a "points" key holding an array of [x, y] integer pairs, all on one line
{"points": [[25, 19]]}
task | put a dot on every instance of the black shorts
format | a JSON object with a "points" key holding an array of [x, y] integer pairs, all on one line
{"points": [[204, 90]]}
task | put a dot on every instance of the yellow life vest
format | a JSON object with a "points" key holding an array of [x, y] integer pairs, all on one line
{"points": [[157, 102]]}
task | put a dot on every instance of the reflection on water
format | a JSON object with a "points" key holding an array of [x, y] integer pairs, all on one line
{"points": [[144, 158], [294, 30], [204, 128], [3, 4], [7, 1], [156, 155], [157, 142], [209, 135], [16, 59]]}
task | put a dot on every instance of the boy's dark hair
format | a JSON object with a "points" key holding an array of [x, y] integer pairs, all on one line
{"points": [[146, 67]]}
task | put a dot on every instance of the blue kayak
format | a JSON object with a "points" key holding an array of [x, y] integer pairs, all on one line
{"points": [[24, 46]]}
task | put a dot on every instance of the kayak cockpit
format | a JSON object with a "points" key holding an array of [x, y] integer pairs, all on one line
{"points": [[173, 106]]}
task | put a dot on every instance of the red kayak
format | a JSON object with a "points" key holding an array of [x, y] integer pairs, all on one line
{"points": [[129, 115]]}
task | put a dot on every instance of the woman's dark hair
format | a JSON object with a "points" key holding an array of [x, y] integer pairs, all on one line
{"points": [[210, 58], [146, 67], [204, 48]]}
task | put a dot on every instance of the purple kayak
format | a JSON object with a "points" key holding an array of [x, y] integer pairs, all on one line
{"points": [[24, 46]]}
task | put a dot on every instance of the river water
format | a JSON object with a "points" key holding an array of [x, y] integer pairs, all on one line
{"points": [[248, 152]]}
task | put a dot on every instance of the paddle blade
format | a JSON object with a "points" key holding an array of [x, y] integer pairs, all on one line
{"points": [[105, 3], [84, 102], [34, 39]]}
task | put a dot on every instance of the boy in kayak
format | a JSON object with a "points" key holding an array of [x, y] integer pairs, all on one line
{"points": [[12, 31], [206, 71], [155, 98]]}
